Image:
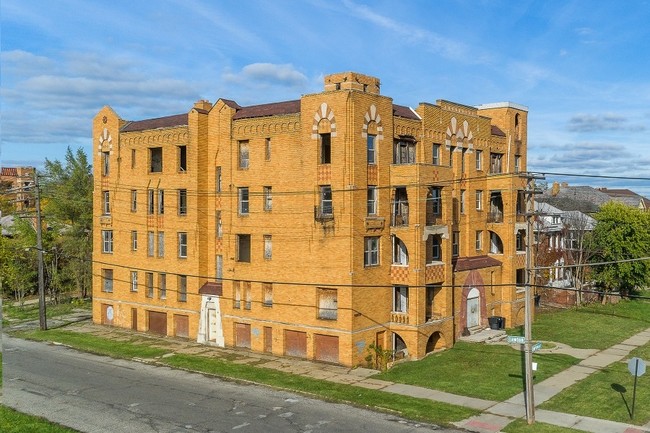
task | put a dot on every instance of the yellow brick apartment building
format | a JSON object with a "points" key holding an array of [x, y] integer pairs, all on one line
{"points": [[314, 228]]}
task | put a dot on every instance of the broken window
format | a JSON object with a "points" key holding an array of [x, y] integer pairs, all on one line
{"points": [[495, 163], [155, 159], [244, 248], [404, 151], [182, 158], [325, 145], [243, 155]]}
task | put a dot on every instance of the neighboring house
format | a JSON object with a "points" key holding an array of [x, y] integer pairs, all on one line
{"points": [[6, 222], [628, 197], [14, 183], [315, 227], [560, 249]]}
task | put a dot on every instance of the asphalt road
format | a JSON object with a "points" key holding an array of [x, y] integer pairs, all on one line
{"points": [[99, 394]]}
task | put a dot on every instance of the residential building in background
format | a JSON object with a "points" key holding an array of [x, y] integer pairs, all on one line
{"points": [[316, 227], [15, 183]]}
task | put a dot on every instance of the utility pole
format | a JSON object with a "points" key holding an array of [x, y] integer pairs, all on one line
{"points": [[39, 246], [528, 306]]}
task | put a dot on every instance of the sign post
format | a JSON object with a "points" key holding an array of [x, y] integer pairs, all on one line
{"points": [[636, 366]]}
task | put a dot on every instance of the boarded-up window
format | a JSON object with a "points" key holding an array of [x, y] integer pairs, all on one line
{"points": [[157, 322], [243, 335], [107, 314], [295, 343], [236, 294], [181, 326], [247, 295], [326, 348], [327, 304], [268, 339], [267, 288]]}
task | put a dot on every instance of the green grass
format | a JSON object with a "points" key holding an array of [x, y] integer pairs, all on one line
{"points": [[521, 426], [12, 421], [599, 394], [28, 312], [408, 407], [592, 326], [93, 344], [492, 372]]}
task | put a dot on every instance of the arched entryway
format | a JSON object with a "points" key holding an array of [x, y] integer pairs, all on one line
{"points": [[473, 308], [436, 341], [399, 347]]}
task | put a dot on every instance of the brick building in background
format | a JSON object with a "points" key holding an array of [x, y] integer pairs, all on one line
{"points": [[314, 227], [15, 183]]}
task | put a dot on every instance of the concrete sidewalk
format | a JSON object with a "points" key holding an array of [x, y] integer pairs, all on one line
{"points": [[495, 414]]}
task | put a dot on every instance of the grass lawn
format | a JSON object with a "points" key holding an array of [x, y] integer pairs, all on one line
{"points": [[492, 372], [521, 426], [93, 344], [408, 407], [593, 326], [600, 394], [17, 422], [27, 312]]}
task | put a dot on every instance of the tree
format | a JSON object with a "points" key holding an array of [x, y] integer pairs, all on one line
{"points": [[578, 227], [621, 233], [67, 195]]}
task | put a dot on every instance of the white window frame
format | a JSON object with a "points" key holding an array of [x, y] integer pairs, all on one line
{"points": [[162, 285], [182, 245], [400, 299], [134, 281], [371, 251], [371, 144], [107, 241], [182, 288], [134, 200], [479, 160], [479, 240], [244, 201], [134, 240], [268, 247], [436, 154], [268, 198], [182, 201], [161, 201], [479, 199], [106, 202], [372, 194]]}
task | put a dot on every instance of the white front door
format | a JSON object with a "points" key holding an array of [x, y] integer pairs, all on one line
{"points": [[473, 310], [212, 324]]}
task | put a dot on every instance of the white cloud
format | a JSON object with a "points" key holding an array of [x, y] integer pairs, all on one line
{"points": [[267, 74]]}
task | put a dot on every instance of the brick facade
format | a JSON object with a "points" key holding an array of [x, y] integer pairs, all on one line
{"points": [[276, 212]]}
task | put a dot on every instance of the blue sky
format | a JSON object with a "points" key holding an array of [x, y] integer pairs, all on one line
{"points": [[581, 67]]}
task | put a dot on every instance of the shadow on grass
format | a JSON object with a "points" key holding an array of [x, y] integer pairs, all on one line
{"points": [[622, 390]]}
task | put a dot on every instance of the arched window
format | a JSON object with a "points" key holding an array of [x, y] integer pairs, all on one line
{"points": [[400, 253]]}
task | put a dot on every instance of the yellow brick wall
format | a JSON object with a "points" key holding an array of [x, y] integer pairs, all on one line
{"points": [[308, 254]]}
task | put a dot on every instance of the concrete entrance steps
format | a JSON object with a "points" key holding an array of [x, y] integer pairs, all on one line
{"points": [[485, 335]]}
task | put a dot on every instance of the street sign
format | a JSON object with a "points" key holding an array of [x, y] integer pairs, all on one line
{"points": [[536, 346], [636, 366], [515, 339]]}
